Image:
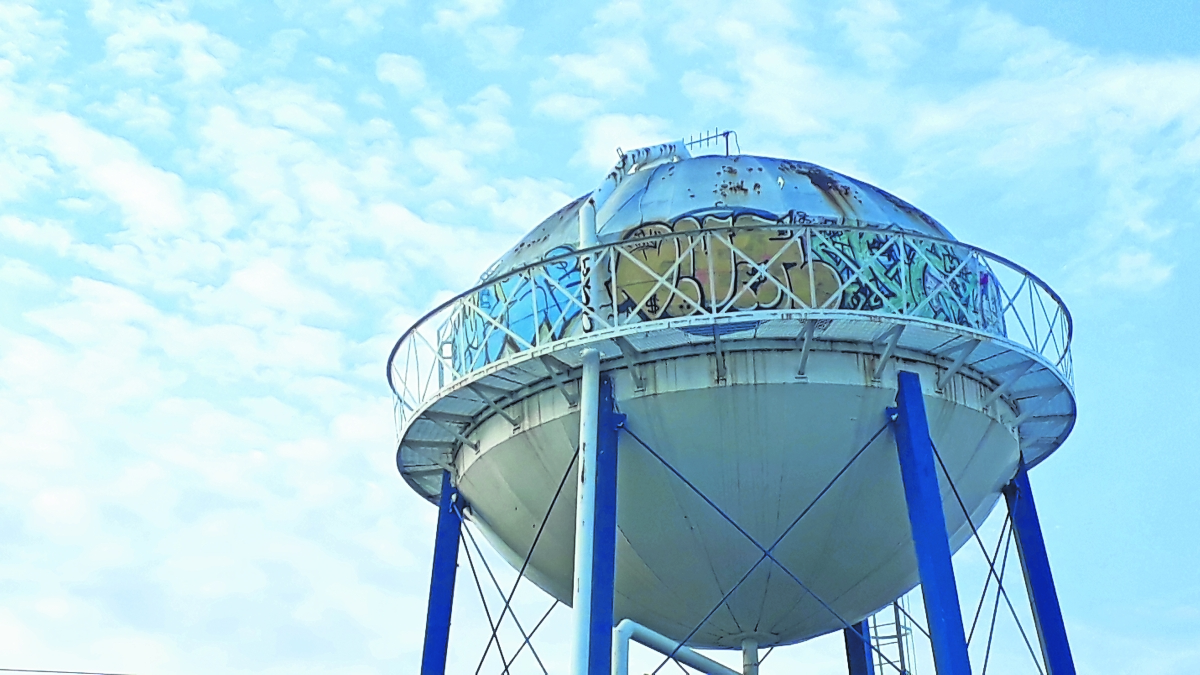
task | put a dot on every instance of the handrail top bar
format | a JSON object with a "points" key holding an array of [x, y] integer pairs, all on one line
{"points": [[888, 229]]}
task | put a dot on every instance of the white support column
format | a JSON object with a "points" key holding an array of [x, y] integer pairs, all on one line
{"points": [[587, 225], [585, 509], [749, 657]]}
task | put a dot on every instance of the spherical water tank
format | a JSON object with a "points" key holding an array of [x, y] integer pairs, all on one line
{"points": [[752, 313]]}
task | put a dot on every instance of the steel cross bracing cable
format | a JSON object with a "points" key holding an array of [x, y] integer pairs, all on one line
{"points": [[987, 654], [767, 552], [488, 568], [914, 621], [521, 573], [520, 628], [487, 612], [990, 561], [983, 596]]}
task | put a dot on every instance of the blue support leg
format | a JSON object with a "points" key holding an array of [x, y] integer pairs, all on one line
{"points": [[604, 551], [1047, 615], [441, 586], [858, 649], [928, 520]]}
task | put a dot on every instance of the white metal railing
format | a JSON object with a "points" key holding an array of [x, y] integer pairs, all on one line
{"points": [[751, 267]]}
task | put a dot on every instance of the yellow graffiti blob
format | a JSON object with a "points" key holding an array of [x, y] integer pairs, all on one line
{"points": [[761, 267]]}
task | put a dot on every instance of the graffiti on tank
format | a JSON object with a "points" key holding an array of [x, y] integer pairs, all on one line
{"points": [[755, 261], [529, 308], [703, 270], [772, 268]]}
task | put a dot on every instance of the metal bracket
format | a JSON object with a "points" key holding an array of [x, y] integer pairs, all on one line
{"points": [[632, 360], [810, 327], [492, 405], [892, 335], [423, 448], [454, 432], [964, 352], [551, 364], [452, 418], [720, 356], [1035, 407], [1018, 371]]}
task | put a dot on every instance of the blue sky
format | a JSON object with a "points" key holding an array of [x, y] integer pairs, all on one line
{"points": [[216, 217]]}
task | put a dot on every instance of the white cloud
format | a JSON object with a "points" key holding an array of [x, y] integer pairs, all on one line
{"points": [[526, 202], [569, 107], [706, 90], [291, 107], [27, 38], [20, 276], [602, 135], [137, 111], [617, 67], [255, 293], [620, 13], [467, 12], [401, 71], [151, 199], [872, 28], [488, 42], [282, 46], [47, 234], [1130, 271], [138, 34]]}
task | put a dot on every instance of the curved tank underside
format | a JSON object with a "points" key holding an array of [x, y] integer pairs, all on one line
{"points": [[762, 448]]}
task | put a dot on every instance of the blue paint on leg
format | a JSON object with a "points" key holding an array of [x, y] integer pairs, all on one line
{"points": [[928, 520], [441, 587], [1047, 614]]}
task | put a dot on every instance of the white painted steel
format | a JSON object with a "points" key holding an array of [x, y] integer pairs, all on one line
{"points": [[587, 225], [628, 630], [749, 657], [585, 508], [762, 447]]}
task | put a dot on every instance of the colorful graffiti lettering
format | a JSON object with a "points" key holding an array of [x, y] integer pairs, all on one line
{"points": [[721, 263], [767, 266], [516, 311], [719, 271]]}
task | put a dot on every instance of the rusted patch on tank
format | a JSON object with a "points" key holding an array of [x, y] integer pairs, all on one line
{"points": [[727, 188], [840, 196]]}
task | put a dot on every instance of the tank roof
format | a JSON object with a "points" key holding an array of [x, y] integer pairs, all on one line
{"points": [[718, 186]]}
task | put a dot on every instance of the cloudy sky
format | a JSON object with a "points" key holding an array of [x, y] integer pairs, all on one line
{"points": [[216, 217]]}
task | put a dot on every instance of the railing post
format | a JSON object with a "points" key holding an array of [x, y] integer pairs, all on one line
{"points": [[441, 585], [1047, 614], [595, 521], [858, 648], [589, 274], [928, 520]]}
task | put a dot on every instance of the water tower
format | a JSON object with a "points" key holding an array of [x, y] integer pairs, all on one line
{"points": [[735, 402]]}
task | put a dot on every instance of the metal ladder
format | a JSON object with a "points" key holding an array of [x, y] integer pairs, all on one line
{"points": [[892, 636]]}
